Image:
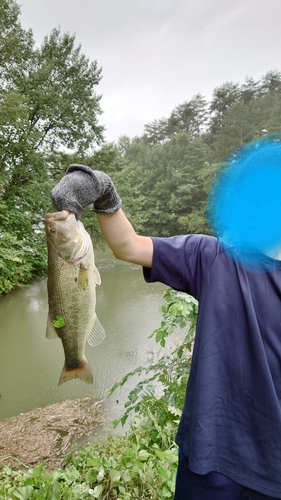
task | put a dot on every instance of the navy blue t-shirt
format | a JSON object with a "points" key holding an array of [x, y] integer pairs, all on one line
{"points": [[231, 421]]}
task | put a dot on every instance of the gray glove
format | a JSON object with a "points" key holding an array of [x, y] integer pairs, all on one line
{"points": [[81, 186]]}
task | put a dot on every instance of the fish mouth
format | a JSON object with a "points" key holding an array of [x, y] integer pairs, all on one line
{"points": [[57, 216]]}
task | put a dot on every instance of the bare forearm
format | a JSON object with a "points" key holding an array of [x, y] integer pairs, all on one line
{"points": [[123, 240]]}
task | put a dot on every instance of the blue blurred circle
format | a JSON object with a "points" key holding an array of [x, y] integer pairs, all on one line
{"points": [[244, 202]]}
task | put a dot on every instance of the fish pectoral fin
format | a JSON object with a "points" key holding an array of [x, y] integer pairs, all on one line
{"points": [[51, 332], [83, 279], [97, 334], [97, 276]]}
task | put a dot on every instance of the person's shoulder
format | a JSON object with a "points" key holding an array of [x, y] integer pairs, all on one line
{"points": [[188, 238], [207, 246], [203, 239], [204, 242], [190, 245]]}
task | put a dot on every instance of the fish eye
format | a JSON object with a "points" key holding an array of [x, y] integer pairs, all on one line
{"points": [[52, 230]]}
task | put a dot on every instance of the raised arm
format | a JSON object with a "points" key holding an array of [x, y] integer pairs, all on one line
{"points": [[81, 186], [123, 240]]}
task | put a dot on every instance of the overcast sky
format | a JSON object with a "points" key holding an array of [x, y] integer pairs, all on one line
{"points": [[156, 54]]}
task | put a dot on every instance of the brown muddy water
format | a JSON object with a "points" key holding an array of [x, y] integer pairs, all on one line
{"points": [[30, 365]]}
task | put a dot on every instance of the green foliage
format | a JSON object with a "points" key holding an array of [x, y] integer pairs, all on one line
{"points": [[190, 117], [59, 87], [15, 43], [224, 97], [15, 267], [161, 185], [167, 172], [59, 322], [167, 376], [47, 102], [128, 468], [117, 468], [246, 122]]}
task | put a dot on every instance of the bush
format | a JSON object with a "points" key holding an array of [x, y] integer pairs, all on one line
{"points": [[168, 374]]}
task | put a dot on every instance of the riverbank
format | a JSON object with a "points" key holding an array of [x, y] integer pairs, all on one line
{"points": [[47, 434], [124, 467]]}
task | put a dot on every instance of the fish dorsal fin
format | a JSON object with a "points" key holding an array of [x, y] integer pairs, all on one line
{"points": [[97, 334], [51, 332], [97, 276]]}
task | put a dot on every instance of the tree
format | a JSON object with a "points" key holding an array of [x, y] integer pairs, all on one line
{"points": [[156, 132], [52, 104], [59, 86], [249, 90], [223, 99], [16, 44], [159, 184], [271, 82], [123, 144], [245, 122], [189, 117], [47, 102]]}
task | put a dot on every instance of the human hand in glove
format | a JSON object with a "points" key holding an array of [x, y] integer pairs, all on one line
{"points": [[81, 186]]}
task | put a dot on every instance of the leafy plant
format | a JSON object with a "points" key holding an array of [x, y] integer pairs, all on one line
{"points": [[59, 322], [159, 397], [118, 468], [125, 468], [15, 267]]}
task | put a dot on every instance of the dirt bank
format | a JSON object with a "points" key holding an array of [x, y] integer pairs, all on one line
{"points": [[46, 434]]}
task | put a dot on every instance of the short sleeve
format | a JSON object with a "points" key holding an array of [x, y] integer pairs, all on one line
{"points": [[182, 262]]}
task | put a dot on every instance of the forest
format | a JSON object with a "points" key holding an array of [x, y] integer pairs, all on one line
{"points": [[49, 118]]}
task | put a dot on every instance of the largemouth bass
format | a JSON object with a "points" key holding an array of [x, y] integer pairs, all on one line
{"points": [[72, 280]]}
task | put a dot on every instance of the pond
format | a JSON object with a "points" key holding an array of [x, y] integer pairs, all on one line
{"points": [[30, 365]]}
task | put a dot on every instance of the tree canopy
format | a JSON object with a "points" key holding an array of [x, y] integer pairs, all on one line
{"points": [[48, 103], [49, 110], [168, 171]]}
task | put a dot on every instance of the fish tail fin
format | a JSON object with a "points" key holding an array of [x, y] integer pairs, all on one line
{"points": [[83, 372]]}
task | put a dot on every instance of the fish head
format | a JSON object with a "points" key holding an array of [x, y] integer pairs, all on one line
{"points": [[67, 236]]}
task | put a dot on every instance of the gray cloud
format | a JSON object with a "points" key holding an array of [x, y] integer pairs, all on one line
{"points": [[155, 54]]}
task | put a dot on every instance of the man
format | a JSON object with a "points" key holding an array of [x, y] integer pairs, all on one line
{"points": [[229, 436]]}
